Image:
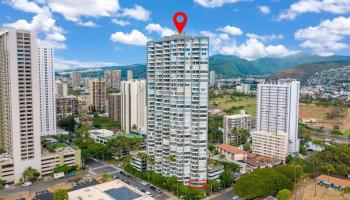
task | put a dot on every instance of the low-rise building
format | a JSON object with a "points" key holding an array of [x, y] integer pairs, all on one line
{"points": [[139, 161], [239, 122], [109, 191], [49, 160], [333, 182], [214, 110], [272, 145], [257, 162], [101, 135], [214, 171], [6, 168], [60, 156], [232, 153]]}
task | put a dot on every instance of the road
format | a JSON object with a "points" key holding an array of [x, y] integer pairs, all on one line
{"points": [[225, 194]]}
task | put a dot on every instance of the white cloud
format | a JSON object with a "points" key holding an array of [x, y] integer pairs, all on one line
{"points": [[134, 38], [215, 3], [327, 38], [42, 22], [264, 9], [62, 64], [266, 38], [120, 22], [87, 24], [231, 30], [73, 10], [315, 6], [25, 6], [162, 31], [138, 12], [251, 49]]}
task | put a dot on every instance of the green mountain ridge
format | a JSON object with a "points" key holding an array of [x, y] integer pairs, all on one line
{"points": [[230, 66]]}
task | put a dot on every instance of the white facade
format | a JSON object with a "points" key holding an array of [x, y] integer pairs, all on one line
{"points": [[177, 97], [239, 121], [212, 78], [278, 110], [272, 145], [130, 75], [20, 99], [47, 90], [133, 104]]}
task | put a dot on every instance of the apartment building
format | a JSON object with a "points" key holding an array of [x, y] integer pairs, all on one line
{"points": [[177, 104], [113, 78], [114, 107], [75, 78], [212, 78], [133, 105], [278, 110], [47, 90], [97, 98], [20, 99], [239, 122], [61, 156], [61, 88], [130, 75], [270, 144], [66, 106]]}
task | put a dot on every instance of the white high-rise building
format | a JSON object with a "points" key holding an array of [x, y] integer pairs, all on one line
{"points": [[20, 99], [47, 91], [133, 105], [212, 78], [278, 110], [177, 97]]}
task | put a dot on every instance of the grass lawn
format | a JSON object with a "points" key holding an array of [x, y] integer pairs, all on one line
{"points": [[226, 102]]}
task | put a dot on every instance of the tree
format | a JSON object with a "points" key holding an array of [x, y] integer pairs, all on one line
{"points": [[226, 179], [30, 174], [213, 186], [284, 194], [2, 183], [61, 194], [106, 177], [222, 157], [67, 123]]}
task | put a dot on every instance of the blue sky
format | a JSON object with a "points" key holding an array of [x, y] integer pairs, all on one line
{"points": [[89, 33]]}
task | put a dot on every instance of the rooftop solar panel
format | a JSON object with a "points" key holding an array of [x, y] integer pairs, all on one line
{"points": [[122, 193]]}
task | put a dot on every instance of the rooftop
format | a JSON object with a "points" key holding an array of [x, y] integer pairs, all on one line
{"points": [[331, 179], [102, 132], [109, 191], [231, 149]]}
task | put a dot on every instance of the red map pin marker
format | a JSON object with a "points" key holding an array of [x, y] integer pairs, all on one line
{"points": [[180, 25]]}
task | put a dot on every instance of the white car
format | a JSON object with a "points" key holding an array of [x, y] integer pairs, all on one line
{"points": [[28, 183], [236, 197], [6, 186]]}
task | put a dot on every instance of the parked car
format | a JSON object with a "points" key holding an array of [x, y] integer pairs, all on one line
{"points": [[28, 183], [236, 197]]}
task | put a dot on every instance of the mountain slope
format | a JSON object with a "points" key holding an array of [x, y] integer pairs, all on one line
{"points": [[232, 66], [304, 71]]}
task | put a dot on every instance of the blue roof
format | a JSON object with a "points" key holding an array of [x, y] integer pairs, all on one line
{"points": [[122, 193]]}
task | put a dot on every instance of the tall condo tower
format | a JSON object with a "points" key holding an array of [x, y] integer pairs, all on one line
{"points": [[20, 99], [278, 110], [177, 106], [47, 90]]}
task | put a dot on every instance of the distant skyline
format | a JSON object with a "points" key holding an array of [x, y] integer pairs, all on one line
{"points": [[90, 33]]}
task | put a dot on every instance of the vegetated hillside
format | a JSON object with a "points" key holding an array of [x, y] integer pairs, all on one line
{"points": [[304, 71], [272, 65], [228, 66]]}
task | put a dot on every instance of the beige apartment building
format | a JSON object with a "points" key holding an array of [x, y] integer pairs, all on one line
{"points": [[75, 78], [133, 105], [272, 145], [61, 156], [113, 78], [20, 99], [97, 97], [66, 106], [114, 107]]}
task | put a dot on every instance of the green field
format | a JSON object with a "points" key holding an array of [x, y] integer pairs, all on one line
{"points": [[233, 104]]}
